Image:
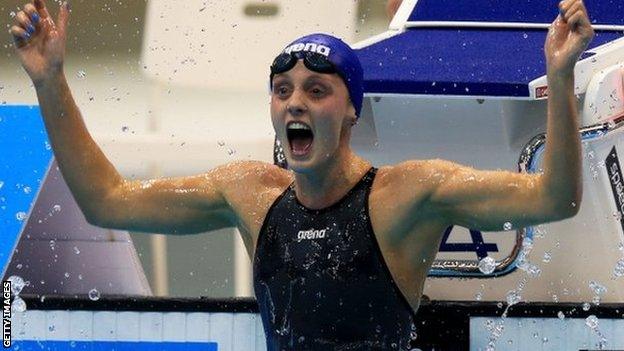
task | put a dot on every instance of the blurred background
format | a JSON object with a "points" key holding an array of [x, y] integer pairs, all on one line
{"points": [[175, 88]]}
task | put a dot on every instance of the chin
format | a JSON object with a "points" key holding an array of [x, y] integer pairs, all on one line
{"points": [[303, 167]]}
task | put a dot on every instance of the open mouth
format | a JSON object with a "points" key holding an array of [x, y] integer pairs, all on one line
{"points": [[300, 138]]}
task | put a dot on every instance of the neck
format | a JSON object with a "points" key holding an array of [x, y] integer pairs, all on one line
{"points": [[328, 183]]}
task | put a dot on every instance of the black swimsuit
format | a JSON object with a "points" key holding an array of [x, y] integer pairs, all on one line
{"points": [[321, 280]]}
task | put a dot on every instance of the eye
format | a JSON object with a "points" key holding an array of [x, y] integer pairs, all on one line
{"points": [[317, 91], [281, 90]]}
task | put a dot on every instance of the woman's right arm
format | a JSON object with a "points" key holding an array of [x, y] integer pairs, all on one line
{"points": [[176, 206]]}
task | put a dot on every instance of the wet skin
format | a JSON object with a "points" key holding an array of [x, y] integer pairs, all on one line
{"points": [[411, 203]]}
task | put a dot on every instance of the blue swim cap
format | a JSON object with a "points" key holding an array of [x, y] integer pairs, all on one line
{"points": [[342, 57]]}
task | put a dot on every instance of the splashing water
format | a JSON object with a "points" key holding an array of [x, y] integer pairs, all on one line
{"points": [[94, 295], [547, 257], [539, 231], [618, 270], [17, 284], [18, 305], [532, 270], [487, 265], [513, 297], [597, 288], [592, 322]]}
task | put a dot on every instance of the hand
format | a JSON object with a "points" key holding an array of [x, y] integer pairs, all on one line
{"points": [[39, 42], [568, 36]]}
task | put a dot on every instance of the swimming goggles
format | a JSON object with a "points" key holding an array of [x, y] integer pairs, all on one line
{"points": [[313, 61]]}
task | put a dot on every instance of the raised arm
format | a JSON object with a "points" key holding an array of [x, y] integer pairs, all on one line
{"points": [[40, 45], [169, 205], [488, 199]]}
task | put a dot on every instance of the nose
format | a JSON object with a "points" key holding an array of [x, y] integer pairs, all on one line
{"points": [[296, 104]]}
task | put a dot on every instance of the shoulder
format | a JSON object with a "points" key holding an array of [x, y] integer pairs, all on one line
{"points": [[258, 173], [413, 182], [252, 183], [431, 171]]}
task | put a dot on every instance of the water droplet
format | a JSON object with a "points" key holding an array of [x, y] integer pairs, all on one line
{"points": [[525, 36], [17, 284], [532, 270], [591, 322], [513, 297], [478, 296], [221, 143], [66, 274], [547, 257], [586, 306], [560, 315], [507, 226], [487, 265], [602, 344], [597, 288], [18, 305], [596, 300], [539, 231], [81, 73], [19, 266], [27, 190], [231, 152], [76, 250], [125, 129], [21, 216], [51, 328], [1, 184], [56, 208], [94, 295], [618, 271], [544, 340]]}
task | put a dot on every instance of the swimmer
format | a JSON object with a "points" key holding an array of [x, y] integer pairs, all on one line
{"points": [[340, 249]]}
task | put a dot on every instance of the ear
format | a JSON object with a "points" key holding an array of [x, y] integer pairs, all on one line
{"points": [[351, 110]]}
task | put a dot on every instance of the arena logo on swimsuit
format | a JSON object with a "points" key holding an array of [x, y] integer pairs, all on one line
{"points": [[311, 234], [318, 48]]}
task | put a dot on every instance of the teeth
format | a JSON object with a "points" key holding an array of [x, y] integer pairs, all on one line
{"points": [[297, 125]]}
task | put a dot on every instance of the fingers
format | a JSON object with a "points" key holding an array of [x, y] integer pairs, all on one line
{"points": [[27, 22], [578, 19], [63, 17], [20, 36], [41, 7], [569, 8]]}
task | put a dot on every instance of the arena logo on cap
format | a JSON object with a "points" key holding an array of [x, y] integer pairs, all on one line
{"points": [[313, 47]]}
